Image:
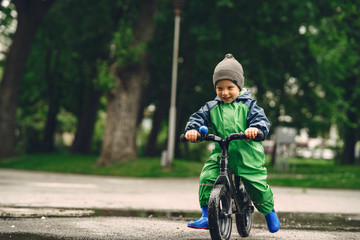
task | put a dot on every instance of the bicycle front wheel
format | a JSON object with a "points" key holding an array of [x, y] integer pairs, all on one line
{"points": [[243, 223], [244, 216], [220, 220]]}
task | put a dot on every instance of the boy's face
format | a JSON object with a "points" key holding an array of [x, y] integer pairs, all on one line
{"points": [[227, 91]]}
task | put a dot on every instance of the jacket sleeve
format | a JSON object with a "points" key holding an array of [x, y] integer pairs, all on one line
{"points": [[257, 118], [199, 118]]}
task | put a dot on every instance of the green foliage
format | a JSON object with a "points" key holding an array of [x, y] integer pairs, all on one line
{"points": [[104, 80], [125, 52], [334, 43], [67, 121], [301, 60], [124, 48], [66, 64], [281, 62], [225, 3], [7, 15], [99, 130]]}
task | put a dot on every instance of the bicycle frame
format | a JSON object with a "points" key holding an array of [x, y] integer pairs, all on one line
{"points": [[225, 176]]}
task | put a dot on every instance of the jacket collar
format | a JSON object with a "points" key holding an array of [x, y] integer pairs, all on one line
{"points": [[243, 95]]}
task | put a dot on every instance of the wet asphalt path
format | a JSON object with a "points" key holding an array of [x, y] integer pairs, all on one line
{"points": [[37, 206], [140, 228]]}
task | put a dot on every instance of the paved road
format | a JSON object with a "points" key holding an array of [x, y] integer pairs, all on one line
{"points": [[41, 189], [35, 194], [113, 228]]}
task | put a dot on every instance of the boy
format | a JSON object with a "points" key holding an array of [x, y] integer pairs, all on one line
{"points": [[233, 111]]}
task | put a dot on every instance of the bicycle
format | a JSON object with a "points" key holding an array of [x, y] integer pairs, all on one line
{"points": [[228, 195]]}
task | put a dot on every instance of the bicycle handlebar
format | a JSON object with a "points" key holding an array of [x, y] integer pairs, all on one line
{"points": [[214, 138]]}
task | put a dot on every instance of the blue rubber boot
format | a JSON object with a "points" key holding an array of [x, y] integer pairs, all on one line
{"points": [[202, 222], [273, 222]]}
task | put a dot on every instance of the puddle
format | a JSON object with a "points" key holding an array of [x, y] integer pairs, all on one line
{"points": [[146, 213], [25, 236], [289, 220], [24, 212]]}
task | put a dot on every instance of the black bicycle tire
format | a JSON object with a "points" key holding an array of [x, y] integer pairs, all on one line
{"points": [[219, 228], [243, 223], [243, 220]]}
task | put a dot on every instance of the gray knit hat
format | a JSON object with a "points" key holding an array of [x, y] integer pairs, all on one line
{"points": [[229, 69]]}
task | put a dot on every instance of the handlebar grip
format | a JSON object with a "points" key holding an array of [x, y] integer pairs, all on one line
{"points": [[182, 138], [259, 136]]}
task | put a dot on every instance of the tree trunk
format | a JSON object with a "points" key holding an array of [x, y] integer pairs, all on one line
{"points": [[122, 110], [124, 100], [30, 13], [350, 138], [349, 147], [351, 127], [85, 129], [275, 124], [48, 141], [50, 126]]}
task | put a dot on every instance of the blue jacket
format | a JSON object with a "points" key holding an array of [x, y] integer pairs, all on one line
{"points": [[247, 157], [255, 115]]}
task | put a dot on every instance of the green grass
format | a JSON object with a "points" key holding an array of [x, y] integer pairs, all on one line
{"points": [[81, 164], [308, 172], [316, 173]]}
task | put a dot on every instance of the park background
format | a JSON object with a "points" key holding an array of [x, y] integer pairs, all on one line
{"points": [[85, 86]]}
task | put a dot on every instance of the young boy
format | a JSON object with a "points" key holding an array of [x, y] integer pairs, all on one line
{"points": [[234, 111]]}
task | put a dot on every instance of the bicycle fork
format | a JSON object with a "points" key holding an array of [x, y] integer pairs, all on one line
{"points": [[237, 192]]}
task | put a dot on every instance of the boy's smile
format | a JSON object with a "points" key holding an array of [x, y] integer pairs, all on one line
{"points": [[227, 91]]}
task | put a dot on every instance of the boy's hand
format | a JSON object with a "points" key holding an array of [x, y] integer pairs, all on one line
{"points": [[251, 132], [191, 135]]}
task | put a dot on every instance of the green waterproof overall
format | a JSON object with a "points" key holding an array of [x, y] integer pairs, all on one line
{"points": [[246, 158]]}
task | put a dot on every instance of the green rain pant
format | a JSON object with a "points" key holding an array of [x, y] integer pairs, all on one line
{"points": [[256, 186]]}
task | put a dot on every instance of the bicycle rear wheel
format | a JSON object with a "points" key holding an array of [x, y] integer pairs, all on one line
{"points": [[220, 220]]}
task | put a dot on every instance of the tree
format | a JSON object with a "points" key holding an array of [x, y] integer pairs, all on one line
{"points": [[129, 72], [334, 40], [266, 40], [30, 14], [62, 74]]}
